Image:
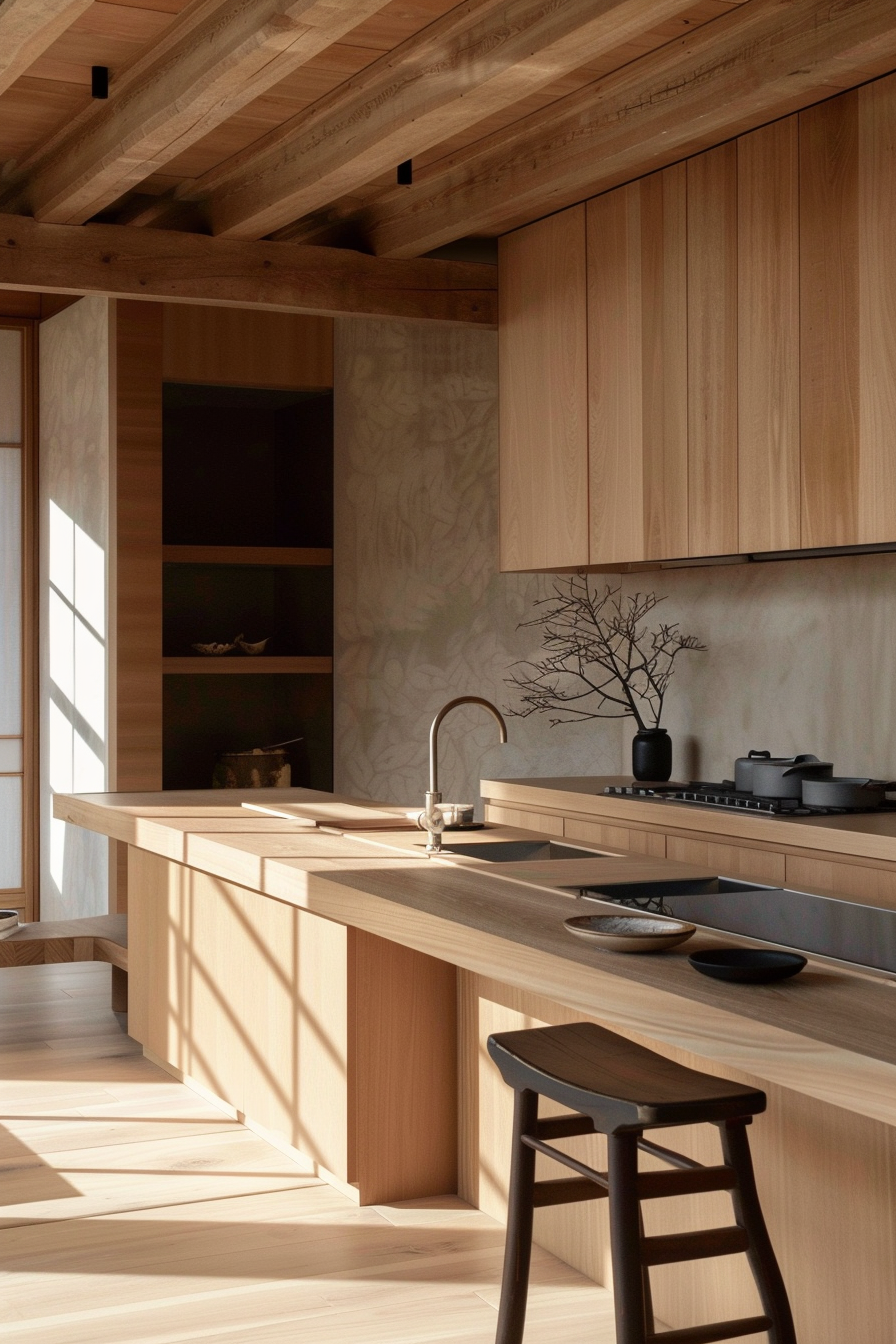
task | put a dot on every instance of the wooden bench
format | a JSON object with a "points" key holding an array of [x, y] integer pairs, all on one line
{"points": [[99, 938]]}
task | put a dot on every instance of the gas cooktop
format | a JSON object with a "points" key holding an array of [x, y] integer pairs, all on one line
{"points": [[724, 794]]}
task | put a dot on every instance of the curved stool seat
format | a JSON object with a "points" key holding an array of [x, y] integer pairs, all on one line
{"points": [[612, 1086]]}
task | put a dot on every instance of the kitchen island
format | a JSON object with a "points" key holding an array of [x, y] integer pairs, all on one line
{"points": [[335, 991]]}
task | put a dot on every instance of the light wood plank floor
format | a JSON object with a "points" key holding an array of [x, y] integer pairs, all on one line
{"points": [[133, 1212]]}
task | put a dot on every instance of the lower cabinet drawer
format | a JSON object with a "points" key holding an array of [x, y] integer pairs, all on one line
{"points": [[755, 865], [868, 886], [527, 821], [617, 837]]}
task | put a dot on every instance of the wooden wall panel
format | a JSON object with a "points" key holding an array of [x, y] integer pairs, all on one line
{"points": [[402, 1060], [246, 348], [543, 397], [626, 838], [876, 502], [339, 1043], [768, 338], [664, 367], [615, 458], [829, 322], [712, 351], [755, 865], [136, 574]]}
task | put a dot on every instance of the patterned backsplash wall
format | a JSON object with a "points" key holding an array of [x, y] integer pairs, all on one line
{"points": [[422, 614]]}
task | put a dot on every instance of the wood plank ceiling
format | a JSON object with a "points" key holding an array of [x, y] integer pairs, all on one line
{"points": [[286, 119]]}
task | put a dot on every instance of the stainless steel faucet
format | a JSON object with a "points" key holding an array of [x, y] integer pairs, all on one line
{"points": [[431, 819]]}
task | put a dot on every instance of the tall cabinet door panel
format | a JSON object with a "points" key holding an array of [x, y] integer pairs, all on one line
{"points": [[768, 319], [712, 352], [637, 370], [543, 394], [877, 312], [829, 321]]}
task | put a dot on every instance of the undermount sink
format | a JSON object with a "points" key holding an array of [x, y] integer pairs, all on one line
{"points": [[638, 892], [517, 851]]}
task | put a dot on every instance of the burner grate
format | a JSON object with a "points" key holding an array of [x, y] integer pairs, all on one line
{"points": [[723, 794]]}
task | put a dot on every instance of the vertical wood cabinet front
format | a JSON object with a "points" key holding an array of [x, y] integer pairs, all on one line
{"points": [[638, 370], [768, 339], [740, 342], [543, 397]]}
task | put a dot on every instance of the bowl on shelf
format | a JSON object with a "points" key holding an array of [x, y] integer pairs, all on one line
{"points": [[212, 650], [747, 965], [630, 933], [253, 650]]}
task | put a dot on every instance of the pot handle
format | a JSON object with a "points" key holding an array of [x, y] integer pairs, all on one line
{"points": [[800, 764], [759, 755]]}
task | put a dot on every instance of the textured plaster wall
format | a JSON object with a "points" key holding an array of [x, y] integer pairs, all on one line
{"points": [[74, 548], [422, 613], [802, 657], [802, 654]]}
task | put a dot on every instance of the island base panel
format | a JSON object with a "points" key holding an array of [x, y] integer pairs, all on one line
{"points": [[338, 1042], [825, 1178]]}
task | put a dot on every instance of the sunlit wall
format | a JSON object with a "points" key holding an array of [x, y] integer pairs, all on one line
{"points": [[74, 580]]}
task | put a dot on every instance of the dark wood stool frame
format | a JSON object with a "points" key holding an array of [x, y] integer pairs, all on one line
{"points": [[632, 1252]]}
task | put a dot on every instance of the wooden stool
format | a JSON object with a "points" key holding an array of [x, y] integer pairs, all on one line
{"points": [[617, 1088], [96, 938]]}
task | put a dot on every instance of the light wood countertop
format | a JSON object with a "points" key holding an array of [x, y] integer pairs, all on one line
{"points": [[830, 1033], [868, 835]]}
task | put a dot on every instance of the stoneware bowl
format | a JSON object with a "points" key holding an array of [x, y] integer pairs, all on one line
{"points": [[630, 933], [747, 965]]}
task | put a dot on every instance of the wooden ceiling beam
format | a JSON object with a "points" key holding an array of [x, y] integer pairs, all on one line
{"points": [[215, 58], [757, 63], [123, 262], [28, 28], [474, 61]]}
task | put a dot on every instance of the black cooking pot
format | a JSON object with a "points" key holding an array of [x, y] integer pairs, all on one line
{"points": [[784, 779], [845, 791]]}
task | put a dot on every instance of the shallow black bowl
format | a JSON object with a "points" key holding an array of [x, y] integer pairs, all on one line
{"points": [[747, 965]]}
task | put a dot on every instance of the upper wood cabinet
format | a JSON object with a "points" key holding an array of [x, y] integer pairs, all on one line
{"points": [[637, 370], [739, 332], [543, 402]]}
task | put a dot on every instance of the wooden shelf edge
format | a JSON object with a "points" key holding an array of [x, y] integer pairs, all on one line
{"points": [[243, 665], [247, 555]]}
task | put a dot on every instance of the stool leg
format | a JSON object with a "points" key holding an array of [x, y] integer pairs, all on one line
{"points": [[625, 1238], [520, 1212], [748, 1215]]}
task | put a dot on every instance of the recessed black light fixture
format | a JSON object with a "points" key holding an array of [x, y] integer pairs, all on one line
{"points": [[99, 81], [404, 174]]}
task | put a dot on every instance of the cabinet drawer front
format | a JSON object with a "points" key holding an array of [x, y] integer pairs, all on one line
{"points": [[528, 821], [617, 837], [755, 865], [869, 886]]}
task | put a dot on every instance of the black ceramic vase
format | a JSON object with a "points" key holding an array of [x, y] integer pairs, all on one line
{"points": [[652, 754]]}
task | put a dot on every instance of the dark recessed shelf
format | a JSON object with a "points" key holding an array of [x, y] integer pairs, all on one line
{"points": [[242, 666], [247, 555]]}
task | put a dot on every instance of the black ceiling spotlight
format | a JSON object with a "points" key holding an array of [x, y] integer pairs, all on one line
{"points": [[99, 81], [404, 174]]}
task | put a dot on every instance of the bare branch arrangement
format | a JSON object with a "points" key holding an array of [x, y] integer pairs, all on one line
{"points": [[602, 661]]}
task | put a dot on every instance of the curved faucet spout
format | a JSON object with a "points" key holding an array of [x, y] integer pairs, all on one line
{"points": [[434, 732]]}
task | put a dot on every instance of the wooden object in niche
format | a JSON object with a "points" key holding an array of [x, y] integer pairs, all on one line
{"points": [[712, 352], [543, 406], [768, 428], [829, 322]]}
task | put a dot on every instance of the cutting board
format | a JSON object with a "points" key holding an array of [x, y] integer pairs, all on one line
{"points": [[341, 816]]}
